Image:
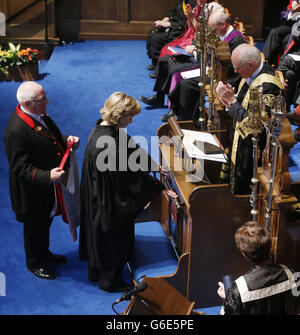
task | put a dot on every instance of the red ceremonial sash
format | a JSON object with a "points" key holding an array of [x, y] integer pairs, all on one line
{"points": [[60, 208]]}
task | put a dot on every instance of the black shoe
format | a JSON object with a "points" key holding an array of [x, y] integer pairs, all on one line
{"points": [[153, 101], [58, 259], [294, 116], [166, 117], [297, 134], [43, 272], [153, 75], [151, 67], [115, 287]]}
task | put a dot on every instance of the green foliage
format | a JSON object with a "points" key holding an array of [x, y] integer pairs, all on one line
{"points": [[15, 56]]}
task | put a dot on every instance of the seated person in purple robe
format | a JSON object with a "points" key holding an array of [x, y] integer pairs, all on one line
{"points": [[185, 95]]}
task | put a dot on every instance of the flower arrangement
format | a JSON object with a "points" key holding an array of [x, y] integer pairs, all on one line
{"points": [[16, 57]]}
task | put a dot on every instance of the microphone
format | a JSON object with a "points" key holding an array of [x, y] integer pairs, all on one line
{"points": [[128, 294], [227, 281]]}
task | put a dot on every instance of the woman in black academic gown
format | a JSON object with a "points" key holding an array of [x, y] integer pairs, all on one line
{"points": [[115, 187]]}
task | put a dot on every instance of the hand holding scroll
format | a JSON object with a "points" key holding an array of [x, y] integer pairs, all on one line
{"points": [[190, 49]]}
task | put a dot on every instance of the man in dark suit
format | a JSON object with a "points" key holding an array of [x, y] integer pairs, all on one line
{"points": [[166, 30], [35, 147], [277, 41]]}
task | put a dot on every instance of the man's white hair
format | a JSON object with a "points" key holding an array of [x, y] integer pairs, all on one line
{"points": [[27, 91], [247, 53], [218, 17], [215, 6]]}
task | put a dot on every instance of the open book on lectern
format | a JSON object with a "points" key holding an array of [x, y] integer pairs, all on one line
{"points": [[202, 145]]}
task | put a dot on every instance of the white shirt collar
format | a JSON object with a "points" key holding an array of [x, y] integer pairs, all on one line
{"points": [[228, 32], [250, 79], [37, 117]]}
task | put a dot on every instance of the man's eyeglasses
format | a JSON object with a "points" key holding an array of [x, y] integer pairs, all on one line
{"points": [[238, 68], [40, 100]]}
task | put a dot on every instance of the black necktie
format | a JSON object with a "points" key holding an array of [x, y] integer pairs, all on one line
{"points": [[47, 121], [52, 127]]}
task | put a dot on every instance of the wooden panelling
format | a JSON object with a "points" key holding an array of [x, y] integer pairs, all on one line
{"points": [[11, 7], [250, 12], [132, 19], [118, 19], [149, 11], [114, 19], [34, 14], [16, 5], [29, 28], [3, 7]]}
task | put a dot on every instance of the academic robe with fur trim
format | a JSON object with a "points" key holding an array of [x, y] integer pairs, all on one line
{"points": [[111, 198], [240, 156], [32, 152]]}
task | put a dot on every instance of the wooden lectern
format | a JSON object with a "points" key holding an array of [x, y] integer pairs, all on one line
{"points": [[200, 223], [159, 298]]}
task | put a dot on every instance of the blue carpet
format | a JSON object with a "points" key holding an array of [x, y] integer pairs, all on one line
{"points": [[78, 79], [294, 161]]}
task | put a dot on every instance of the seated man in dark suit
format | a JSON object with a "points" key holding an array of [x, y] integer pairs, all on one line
{"points": [[168, 65], [278, 37], [185, 95], [166, 30], [290, 68], [246, 60]]}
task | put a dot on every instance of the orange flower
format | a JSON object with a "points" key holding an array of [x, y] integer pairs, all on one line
{"points": [[27, 52]]}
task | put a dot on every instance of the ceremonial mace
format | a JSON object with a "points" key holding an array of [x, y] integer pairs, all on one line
{"points": [[212, 44], [274, 126], [199, 115], [254, 126]]}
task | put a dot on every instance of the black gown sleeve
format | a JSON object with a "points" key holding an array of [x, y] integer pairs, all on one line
{"points": [[232, 304]]}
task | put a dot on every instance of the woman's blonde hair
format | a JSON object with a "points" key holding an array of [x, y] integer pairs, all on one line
{"points": [[118, 105]]}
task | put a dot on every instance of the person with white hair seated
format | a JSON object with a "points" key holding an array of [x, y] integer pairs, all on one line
{"points": [[166, 30], [246, 60], [170, 63], [184, 94]]}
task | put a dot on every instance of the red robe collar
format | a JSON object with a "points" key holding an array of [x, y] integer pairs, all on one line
{"points": [[26, 118], [37, 127]]}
